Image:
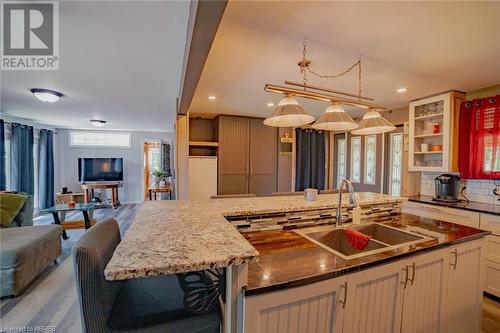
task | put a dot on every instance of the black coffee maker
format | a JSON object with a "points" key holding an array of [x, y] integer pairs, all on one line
{"points": [[447, 187]]}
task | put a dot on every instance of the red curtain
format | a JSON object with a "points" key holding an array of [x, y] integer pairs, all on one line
{"points": [[479, 139]]}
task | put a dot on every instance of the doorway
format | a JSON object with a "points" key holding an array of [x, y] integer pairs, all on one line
{"points": [[152, 163]]}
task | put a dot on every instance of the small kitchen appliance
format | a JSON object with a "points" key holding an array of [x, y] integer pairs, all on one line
{"points": [[447, 187]]}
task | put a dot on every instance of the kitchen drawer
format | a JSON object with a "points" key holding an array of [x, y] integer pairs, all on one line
{"points": [[454, 215], [493, 249], [491, 223], [492, 278]]}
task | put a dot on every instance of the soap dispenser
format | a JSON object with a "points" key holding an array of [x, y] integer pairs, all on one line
{"points": [[356, 215]]}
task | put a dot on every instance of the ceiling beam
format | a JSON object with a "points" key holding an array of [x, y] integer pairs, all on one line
{"points": [[204, 20]]}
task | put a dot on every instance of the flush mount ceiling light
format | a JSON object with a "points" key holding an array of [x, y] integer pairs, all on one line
{"points": [[212, 98], [97, 123], [288, 113], [401, 90], [270, 104], [335, 119], [46, 95], [373, 123]]}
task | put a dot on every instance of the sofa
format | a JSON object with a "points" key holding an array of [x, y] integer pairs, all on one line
{"points": [[26, 250]]}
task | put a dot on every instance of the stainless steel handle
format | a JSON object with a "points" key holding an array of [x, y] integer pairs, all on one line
{"points": [[344, 301], [405, 281], [412, 274], [455, 254]]}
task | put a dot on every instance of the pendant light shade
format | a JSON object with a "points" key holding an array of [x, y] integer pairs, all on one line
{"points": [[373, 123], [288, 113], [335, 119]]}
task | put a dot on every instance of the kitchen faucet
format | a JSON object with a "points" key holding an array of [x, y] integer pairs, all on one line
{"points": [[352, 199]]}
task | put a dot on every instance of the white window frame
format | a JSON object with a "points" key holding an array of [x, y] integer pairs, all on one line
{"points": [[341, 142], [365, 171], [391, 149], [72, 132], [353, 179]]}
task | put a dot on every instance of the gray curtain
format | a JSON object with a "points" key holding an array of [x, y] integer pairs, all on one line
{"points": [[165, 153], [3, 179], [310, 159], [22, 174], [46, 169]]}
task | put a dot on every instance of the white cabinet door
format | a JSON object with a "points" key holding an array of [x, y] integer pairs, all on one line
{"points": [[317, 307], [424, 293], [373, 302], [465, 288]]}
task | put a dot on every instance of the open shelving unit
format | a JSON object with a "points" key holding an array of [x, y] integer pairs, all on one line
{"points": [[433, 124], [202, 137]]}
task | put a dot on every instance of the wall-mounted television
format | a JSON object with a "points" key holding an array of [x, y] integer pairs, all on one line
{"points": [[100, 169]]}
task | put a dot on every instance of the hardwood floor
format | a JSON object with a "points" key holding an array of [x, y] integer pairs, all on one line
{"points": [[51, 300]]}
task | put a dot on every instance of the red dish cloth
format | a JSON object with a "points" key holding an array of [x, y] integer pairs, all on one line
{"points": [[358, 240]]}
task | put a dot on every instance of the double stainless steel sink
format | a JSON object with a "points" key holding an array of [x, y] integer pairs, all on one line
{"points": [[383, 238]]}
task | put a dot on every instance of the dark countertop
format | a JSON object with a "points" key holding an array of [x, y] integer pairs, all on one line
{"points": [[471, 205], [289, 260]]}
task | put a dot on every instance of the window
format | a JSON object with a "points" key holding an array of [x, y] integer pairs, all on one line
{"points": [[99, 139], [370, 159], [340, 161], [356, 159], [488, 155], [396, 161]]}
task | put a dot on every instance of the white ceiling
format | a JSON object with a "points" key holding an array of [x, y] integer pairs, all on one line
{"points": [[119, 61], [428, 47]]}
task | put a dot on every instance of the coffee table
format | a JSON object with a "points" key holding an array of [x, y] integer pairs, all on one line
{"points": [[59, 214]]}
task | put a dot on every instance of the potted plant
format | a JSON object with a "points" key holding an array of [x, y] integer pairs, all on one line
{"points": [[160, 177]]}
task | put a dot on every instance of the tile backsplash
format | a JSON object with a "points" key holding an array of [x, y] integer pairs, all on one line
{"points": [[477, 190]]}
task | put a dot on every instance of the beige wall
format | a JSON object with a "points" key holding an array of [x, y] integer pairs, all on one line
{"points": [[483, 92]]}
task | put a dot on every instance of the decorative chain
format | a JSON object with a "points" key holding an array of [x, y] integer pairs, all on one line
{"points": [[305, 64]]}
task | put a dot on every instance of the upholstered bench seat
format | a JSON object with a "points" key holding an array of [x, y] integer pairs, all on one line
{"points": [[25, 253]]}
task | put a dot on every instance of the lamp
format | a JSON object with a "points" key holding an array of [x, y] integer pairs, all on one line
{"points": [[97, 123], [46, 95], [373, 123], [335, 119], [288, 113]]}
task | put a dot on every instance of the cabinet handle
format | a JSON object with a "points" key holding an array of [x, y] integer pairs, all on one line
{"points": [[344, 301], [455, 254], [405, 281], [251, 169], [412, 274]]}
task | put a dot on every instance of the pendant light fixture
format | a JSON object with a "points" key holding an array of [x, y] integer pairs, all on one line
{"points": [[335, 119], [373, 123], [288, 113]]}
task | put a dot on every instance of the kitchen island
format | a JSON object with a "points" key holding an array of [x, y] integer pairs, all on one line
{"points": [[277, 275]]}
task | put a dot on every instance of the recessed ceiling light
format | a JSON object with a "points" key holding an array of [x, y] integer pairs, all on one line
{"points": [[46, 95], [270, 104], [212, 98], [97, 123], [401, 90]]}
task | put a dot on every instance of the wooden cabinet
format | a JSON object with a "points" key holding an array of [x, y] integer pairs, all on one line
{"points": [[464, 288], [424, 293], [453, 215], [317, 307], [433, 132], [491, 223], [247, 156], [374, 298]]}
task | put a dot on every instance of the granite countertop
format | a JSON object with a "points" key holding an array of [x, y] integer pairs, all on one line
{"points": [[288, 260], [177, 236], [471, 205]]}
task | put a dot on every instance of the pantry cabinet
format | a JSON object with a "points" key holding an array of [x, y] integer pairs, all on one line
{"points": [[433, 132]]}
